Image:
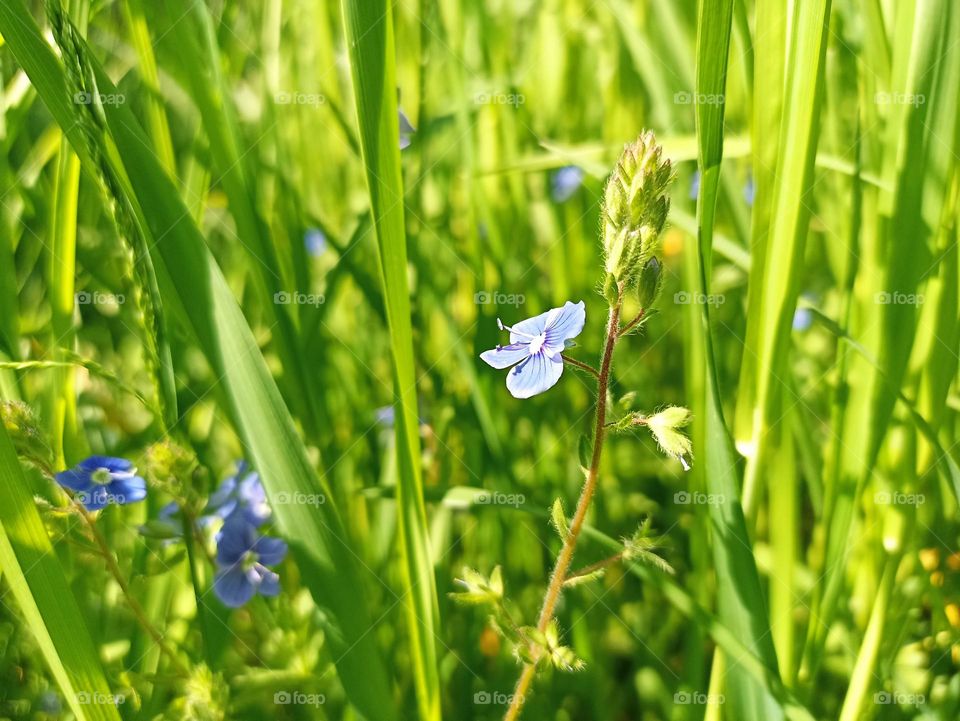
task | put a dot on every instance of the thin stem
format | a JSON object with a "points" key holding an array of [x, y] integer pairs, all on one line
{"points": [[633, 323], [582, 366], [586, 495], [117, 574], [593, 567]]}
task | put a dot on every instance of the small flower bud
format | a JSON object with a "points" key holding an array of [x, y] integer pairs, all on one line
{"points": [[651, 280], [636, 204], [664, 425]]}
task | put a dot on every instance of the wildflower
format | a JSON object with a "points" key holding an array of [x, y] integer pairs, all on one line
{"points": [[750, 191], [535, 349], [406, 130], [802, 318], [315, 241], [101, 480], [242, 560], [695, 185], [665, 426], [566, 181], [239, 496]]}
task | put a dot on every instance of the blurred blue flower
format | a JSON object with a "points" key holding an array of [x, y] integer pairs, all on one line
{"points": [[242, 560], [315, 241], [386, 416], [566, 181], [695, 185], [802, 318], [101, 480], [750, 191], [535, 347], [239, 496], [406, 130]]}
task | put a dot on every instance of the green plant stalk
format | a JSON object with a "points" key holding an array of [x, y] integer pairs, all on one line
{"points": [[157, 123], [369, 31], [562, 566]]}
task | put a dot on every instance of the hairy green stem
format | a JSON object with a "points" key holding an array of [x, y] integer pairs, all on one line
{"points": [[586, 495]]}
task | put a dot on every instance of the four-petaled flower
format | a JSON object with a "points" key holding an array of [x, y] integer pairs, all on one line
{"points": [[235, 495], [242, 560], [101, 480], [535, 349]]}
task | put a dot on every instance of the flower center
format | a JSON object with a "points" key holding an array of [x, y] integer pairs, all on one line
{"points": [[537, 343], [249, 560], [101, 476]]}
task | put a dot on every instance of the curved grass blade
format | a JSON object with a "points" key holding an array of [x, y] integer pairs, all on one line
{"points": [[33, 572], [369, 31], [740, 597]]}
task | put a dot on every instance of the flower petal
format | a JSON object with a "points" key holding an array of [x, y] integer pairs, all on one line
{"points": [[529, 328], [535, 375], [74, 479], [269, 582], [95, 498], [114, 465], [507, 355], [270, 550], [565, 323], [128, 490], [233, 587], [235, 539]]}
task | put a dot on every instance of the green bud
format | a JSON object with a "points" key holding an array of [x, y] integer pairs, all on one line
{"points": [[558, 517], [479, 590], [636, 204], [664, 427], [651, 280]]}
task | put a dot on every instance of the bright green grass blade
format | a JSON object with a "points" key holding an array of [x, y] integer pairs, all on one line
{"points": [[789, 218], [33, 572], [191, 279], [740, 597], [369, 31]]}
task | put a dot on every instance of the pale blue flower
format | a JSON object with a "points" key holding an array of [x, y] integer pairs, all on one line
{"points": [[695, 185], [535, 349], [240, 494], [750, 191], [566, 181], [101, 480], [802, 318], [315, 242], [406, 130], [242, 560]]}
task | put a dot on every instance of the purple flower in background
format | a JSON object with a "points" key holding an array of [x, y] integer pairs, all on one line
{"points": [[315, 241], [406, 130], [101, 480], [802, 318], [566, 181], [242, 560], [238, 496], [535, 349]]}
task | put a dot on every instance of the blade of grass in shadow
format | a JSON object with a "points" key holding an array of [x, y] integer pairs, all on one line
{"points": [[740, 597], [33, 573], [190, 279], [369, 31]]}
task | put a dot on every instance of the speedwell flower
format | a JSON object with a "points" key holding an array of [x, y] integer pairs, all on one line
{"points": [[406, 130], [101, 480], [566, 181], [535, 347], [242, 560], [240, 494]]}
